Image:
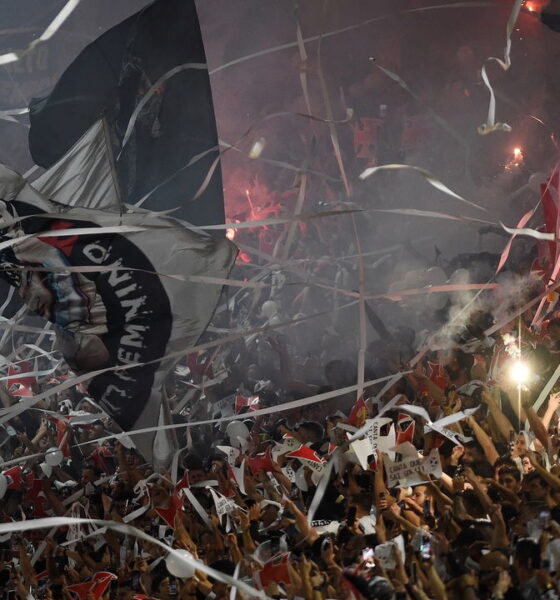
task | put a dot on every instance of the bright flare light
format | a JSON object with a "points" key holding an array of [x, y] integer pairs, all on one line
{"points": [[519, 372], [517, 152]]}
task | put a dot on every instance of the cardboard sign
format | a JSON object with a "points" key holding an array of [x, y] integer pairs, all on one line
{"points": [[231, 453], [373, 441], [410, 470]]}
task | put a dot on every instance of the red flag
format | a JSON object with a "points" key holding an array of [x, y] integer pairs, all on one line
{"points": [[182, 483], [306, 453], [168, 514], [252, 403], [275, 571], [13, 476], [405, 429], [261, 462], [437, 374], [97, 586], [358, 413], [20, 390], [201, 367], [547, 251], [366, 135], [438, 441], [25, 380]]}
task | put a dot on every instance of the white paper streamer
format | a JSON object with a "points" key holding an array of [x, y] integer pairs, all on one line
{"points": [[256, 413], [198, 507], [431, 179], [544, 392], [538, 235], [54, 26], [491, 125]]}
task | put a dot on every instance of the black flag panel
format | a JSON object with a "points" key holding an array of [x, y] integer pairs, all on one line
{"points": [[109, 78]]}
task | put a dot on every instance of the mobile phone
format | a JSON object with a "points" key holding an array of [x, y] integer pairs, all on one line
{"points": [[135, 576], [544, 519], [172, 586], [413, 572], [367, 557], [114, 590], [426, 549], [427, 511]]}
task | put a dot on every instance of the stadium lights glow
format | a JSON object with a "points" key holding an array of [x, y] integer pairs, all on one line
{"points": [[519, 372]]}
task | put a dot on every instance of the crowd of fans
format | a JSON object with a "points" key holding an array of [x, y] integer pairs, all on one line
{"points": [[284, 500], [295, 489]]}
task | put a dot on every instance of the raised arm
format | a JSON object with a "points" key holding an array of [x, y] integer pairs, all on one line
{"points": [[484, 440], [502, 422]]}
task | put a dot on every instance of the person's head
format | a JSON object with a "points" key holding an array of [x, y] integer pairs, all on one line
{"points": [[195, 467], [510, 478], [159, 495], [90, 474], [526, 464], [482, 469], [527, 556], [311, 432], [503, 461], [491, 564], [458, 365], [379, 588], [522, 442], [362, 503], [473, 452], [269, 513], [535, 487], [420, 494]]}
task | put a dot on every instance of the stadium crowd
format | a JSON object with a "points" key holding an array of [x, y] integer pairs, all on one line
{"points": [[346, 495]]}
